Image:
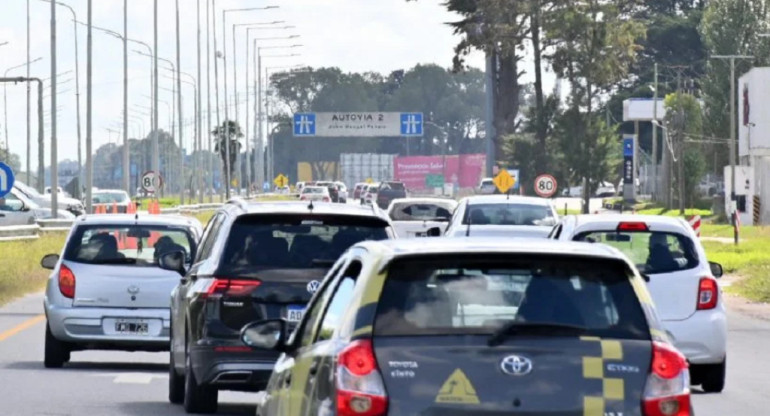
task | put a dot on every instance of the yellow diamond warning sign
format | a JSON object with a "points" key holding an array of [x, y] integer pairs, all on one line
{"points": [[504, 181], [457, 389]]}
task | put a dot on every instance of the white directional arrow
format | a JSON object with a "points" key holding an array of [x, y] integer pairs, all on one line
{"points": [[3, 181]]}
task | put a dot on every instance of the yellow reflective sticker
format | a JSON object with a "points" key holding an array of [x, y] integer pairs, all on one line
{"points": [[362, 331], [593, 406], [457, 389], [593, 367], [587, 338], [614, 389], [612, 350]]}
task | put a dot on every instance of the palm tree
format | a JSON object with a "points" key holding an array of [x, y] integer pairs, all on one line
{"points": [[220, 136]]}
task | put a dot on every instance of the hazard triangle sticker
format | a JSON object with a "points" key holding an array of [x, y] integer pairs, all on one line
{"points": [[457, 389]]}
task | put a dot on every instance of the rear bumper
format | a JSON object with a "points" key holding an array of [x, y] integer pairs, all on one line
{"points": [[245, 371], [90, 327], [702, 338]]}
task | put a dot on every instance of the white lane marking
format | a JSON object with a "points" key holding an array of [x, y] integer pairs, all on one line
{"points": [[133, 378]]}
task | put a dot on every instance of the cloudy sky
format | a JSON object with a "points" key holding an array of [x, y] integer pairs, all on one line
{"points": [[355, 35]]}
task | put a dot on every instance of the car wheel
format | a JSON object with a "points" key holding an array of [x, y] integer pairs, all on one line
{"points": [[56, 352], [197, 398], [176, 383], [714, 377]]}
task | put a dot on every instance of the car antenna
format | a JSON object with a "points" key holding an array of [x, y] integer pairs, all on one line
{"points": [[468, 229]]}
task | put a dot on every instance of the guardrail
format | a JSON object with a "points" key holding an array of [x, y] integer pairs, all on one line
{"points": [[19, 232]]}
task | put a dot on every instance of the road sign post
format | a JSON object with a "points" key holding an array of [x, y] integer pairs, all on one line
{"points": [[629, 187], [7, 179], [545, 186], [281, 180], [504, 181], [355, 124], [151, 183]]}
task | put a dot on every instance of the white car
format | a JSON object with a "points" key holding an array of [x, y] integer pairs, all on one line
{"points": [[70, 204], [682, 282], [315, 193], [17, 209], [369, 194], [416, 217], [503, 216], [343, 192]]}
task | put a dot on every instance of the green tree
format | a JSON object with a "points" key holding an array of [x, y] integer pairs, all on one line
{"points": [[11, 159], [596, 44], [685, 125], [229, 130]]}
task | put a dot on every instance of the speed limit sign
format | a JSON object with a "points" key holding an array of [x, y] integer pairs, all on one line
{"points": [[545, 186], [150, 183]]}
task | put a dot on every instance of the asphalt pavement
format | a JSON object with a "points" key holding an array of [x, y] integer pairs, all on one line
{"points": [[135, 384]]}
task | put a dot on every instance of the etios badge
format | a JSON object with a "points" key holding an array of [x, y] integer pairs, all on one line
{"points": [[516, 365], [312, 287]]}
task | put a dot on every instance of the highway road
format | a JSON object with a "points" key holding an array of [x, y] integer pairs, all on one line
{"points": [[135, 384]]}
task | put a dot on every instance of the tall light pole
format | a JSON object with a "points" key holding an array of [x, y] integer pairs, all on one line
{"points": [[54, 144], [5, 99], [209, 162], [89, 88], [126, 157], [29, 110], [179, 107], [224, 62], [155, 147], [198, 142], [732, 59]]}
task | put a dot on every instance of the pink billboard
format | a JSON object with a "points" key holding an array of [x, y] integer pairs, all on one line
{"points": [[464, 170]]}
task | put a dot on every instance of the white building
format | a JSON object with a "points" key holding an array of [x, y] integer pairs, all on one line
{"points": [[753, 177]]}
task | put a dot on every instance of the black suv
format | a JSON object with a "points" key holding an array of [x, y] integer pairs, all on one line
{"points": [[255, 261]]}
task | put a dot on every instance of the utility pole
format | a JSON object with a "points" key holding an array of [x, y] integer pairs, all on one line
{"points": [[29, 110], [198, 140], [489, 110], [179, 108], [89, 88], [54, 153], [209, 161], [155, 145], [126, 160], [655, 138], [733, 203]]}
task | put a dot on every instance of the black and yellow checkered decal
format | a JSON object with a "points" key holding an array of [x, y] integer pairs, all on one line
{"points": [[613, 389]]}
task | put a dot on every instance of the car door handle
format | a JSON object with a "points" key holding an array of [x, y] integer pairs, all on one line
{"points": [[313, 368], [287, 380]]}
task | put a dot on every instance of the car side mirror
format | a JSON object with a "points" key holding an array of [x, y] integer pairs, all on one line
{"points": [[269, 334], [433, 232], [716, 269], [49, 261], [173, 261], [646, 277]]}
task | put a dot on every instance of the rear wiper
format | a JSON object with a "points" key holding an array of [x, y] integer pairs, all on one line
{"points": [[518, 327], [126, 260]]}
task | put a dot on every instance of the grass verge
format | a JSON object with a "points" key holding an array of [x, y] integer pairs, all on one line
{"points": [[20, 271], [750, 260]]}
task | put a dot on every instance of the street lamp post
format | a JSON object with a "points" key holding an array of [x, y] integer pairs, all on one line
{"points": [[5, 99], [54, 144], [732, 59]]}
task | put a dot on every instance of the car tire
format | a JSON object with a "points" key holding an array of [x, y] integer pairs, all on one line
{"points": [[176, 383], [713, 377], [198, 398], [56, 352]]}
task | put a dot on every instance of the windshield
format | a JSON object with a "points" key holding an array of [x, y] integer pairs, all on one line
{"points": [[651, 252], [421, 211], [451, 295], [266, 241], [393, 186], [507, 214], [109, 197], [129, 244], [26, 190], [314, 190]]}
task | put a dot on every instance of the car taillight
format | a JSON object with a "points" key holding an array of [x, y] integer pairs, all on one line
{"points": [[360, 389], [708, 294], [230, 287], [303, 198], [667, 392], [327, 199], [66, 282], [632, 226]]}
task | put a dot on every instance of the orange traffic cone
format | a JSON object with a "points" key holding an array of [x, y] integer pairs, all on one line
{"points": [[114, 207]]}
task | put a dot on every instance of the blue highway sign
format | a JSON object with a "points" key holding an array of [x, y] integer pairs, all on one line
{"points": [[6, 179], [411, 124], [304, 124]]}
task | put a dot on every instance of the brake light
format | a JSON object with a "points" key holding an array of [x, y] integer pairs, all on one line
{"points": [[327, 199], [708, 294], [303, 198], [667, 392], [66, 282], [632, 226], [232, 348], [230, 287], [360, 389]]}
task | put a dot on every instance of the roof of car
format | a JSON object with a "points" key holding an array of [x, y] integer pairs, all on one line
{"points": [[605, 221], [137, 219], [423, 200], [507, 199], [109, 190], [297, 207], [488, 245]]}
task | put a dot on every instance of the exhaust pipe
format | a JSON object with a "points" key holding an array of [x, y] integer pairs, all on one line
{"points": [[230, 377]]}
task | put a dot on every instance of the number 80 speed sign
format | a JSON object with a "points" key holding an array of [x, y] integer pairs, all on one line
{"points": [[545, 186]]}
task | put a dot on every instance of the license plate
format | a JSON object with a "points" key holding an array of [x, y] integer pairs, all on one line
{"points": [[295, 313], [131, 327]]}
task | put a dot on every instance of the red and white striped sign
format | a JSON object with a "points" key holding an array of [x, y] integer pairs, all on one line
{"points": [[695, 224]]}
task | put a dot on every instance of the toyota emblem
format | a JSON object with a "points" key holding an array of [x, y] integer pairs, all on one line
{"points": [[133, 290], [516, 365], [312, 287]]}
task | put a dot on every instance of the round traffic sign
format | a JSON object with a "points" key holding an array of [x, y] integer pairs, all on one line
{"points": [[545, 186], [151, 183], [6, 179]]}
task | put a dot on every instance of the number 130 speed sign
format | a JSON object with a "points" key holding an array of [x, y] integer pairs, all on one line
{"points": [[545, 186]]}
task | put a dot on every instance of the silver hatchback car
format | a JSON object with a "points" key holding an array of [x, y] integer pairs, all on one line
{"points": [[106, 290]]}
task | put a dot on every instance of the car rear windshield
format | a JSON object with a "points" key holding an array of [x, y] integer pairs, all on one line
{"points": [[130, 244], [394, 186], [421, 211], [284, 241], [463, 295], [507, 214], [108, 198], [314, 190], [652, 252]]}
